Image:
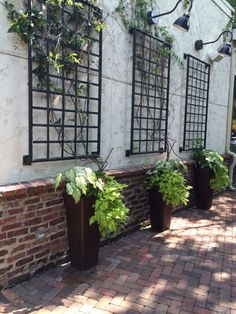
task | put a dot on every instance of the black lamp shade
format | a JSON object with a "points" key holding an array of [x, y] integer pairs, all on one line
{"points": [[182, 23], [225, 50]]}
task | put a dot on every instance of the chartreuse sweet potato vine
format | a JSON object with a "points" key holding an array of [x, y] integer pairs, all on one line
{"points": [[111, 214], [167, 177]]}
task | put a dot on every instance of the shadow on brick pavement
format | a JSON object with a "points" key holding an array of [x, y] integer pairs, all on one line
{"points": [[190, 268]]}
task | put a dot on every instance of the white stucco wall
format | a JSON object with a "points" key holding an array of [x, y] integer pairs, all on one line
{"points": [[208, 18]]}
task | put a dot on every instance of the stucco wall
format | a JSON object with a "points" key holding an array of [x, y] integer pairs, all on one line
{"points": [[208, 18]]}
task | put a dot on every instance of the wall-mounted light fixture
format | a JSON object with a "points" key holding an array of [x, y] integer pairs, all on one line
{"points": [[224, 50], [181, 23]]}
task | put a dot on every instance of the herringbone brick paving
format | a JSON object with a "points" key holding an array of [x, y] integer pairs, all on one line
{"points": [[188, 269]]}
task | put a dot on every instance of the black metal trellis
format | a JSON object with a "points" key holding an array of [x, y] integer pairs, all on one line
{"points": [[196, 107], [65, 114], [150, 95]]}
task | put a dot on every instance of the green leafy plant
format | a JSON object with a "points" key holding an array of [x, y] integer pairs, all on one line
{"points": [[80, 181], [45, 21], [233, 19], [61, 35], [208, 158], [111, 214], [134, 15], [168, 178], [186, 3]]}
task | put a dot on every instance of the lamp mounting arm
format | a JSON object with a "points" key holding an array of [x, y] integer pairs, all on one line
{"points": [[214, 41], [191, 5], [169, 12]]}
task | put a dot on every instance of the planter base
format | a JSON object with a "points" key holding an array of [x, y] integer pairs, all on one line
{"points": [[160, 213], [83, 238], [204, 194]]}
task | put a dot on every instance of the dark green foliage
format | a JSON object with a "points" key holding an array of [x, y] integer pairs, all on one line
{"points": [[233, 3], [167, 177], [186, 3], [209, 158], [233, 19]]}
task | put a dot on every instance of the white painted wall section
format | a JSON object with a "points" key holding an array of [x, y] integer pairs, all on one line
{"points": [[208, 18]]}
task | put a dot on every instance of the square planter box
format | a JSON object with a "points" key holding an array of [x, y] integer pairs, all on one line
{"points": [[160, 212], [204, 194], [83, 239]]}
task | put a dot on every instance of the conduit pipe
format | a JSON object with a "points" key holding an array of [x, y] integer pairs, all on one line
{"points": [[230, 110]]}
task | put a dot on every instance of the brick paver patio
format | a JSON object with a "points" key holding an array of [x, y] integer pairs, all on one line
{"points": [[188, 269]]}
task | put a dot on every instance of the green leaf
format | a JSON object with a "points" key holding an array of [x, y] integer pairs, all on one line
{"points": [[169, 180], [209, 158], [69, 188], [76, 194], [111, 214], [58, 180]]}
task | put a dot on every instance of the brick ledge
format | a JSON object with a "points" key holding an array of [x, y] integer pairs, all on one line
{"points": [[27, 187], [47, 185]]}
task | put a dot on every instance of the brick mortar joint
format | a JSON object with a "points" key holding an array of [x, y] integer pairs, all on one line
{"points": [[45, 185]]}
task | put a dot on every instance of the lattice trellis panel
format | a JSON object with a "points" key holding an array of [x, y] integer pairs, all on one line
{"points": [[150, 96], [65, 107], [196, 107]]}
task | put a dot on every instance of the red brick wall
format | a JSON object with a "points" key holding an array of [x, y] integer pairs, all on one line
{"points": [[33, 224], [32, 228]]}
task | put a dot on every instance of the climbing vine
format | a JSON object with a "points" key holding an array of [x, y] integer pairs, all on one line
{"points": [[45, 21], [60, 34], [186, 3], [32, 27], [134, 15]]}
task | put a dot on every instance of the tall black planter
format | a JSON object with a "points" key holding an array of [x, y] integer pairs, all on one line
{"points": [[83, 238], [160, 213], [204, 194]]}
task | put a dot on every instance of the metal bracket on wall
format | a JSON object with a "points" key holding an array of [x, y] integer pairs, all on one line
{"points": [[127, 153], [27, 160]]}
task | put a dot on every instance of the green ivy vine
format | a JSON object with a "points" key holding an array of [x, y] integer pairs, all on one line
{"points": [[186, 4], [60, 35], [134, 15], [45, 22]]}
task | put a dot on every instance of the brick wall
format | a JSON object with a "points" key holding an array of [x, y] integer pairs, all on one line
{"points": [[33, 224], [32, 229]]}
